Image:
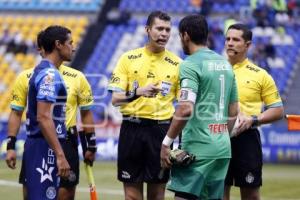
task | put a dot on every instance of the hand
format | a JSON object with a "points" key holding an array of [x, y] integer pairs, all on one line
{"points": [[89, 157], [245, 123], [150, 90], [62, 166], [165, 156], [11, 158]]}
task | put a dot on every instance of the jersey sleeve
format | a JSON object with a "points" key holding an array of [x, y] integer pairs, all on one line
{"points": [[85, 96], [119, 78], [188, 77], [19, 93], [270, 94], [47, 85], [233, 92]]}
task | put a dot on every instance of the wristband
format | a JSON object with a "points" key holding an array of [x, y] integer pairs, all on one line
{"points": [[255, 122], [167, 141], [131, 95], [91, 141], [11, 143]]}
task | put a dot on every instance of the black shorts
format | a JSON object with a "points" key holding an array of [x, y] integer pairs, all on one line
{"points": [[245, 168], [139, 151], [70, 148]]}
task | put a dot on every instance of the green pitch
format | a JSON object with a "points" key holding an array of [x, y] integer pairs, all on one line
{"points": [[281, 182]]}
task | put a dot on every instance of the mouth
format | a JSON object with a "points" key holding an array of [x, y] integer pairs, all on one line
{"points": [[231, 51], [161, 41]]}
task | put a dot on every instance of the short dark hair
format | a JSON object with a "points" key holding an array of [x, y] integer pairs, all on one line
{"points": [[39, 39], [50, 35], [196, 27], [247, 33], [157, 14]]}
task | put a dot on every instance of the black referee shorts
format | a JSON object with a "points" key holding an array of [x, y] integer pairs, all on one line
{"points": [[70, 148], [245, 168], [139, 150]]}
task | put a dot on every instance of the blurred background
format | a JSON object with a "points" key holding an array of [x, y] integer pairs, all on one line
{"points": [[104, 29]]}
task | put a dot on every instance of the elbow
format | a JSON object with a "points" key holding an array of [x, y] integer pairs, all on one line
{"points": [[281, 113], [41, 117]]}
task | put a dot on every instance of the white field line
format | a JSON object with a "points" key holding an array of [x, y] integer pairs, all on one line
{"points": [[116, 191]]}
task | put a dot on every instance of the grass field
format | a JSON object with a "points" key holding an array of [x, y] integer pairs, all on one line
{"points": [[281, 182]]}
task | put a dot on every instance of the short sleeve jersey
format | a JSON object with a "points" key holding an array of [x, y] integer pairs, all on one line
{"points": [[211, 78], [256, 88], [78, 89], [46, 85], [142, 67]]}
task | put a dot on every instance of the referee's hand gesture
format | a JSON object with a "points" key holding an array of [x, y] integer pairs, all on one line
{"points": [[150, 90]]}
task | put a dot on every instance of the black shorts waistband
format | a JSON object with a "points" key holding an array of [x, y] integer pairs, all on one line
{"points": [[145, 121]]}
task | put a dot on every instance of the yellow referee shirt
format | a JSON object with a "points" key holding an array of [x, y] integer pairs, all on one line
{"points": [[144, 67], [256, 88], [78, 88]]}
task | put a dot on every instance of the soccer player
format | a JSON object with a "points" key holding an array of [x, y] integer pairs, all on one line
{"points": [[145, 84], [79, 95], [205, 115], [256, 89]]}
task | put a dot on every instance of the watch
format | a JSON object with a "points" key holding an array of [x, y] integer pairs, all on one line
{"points": [[254, 121]]}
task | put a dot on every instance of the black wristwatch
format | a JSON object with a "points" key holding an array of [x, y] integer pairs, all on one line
{"points": [[254, 121]]}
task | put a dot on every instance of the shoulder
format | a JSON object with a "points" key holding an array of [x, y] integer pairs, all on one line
{"points": [[251, 67], [26, 74], [133, 54]]}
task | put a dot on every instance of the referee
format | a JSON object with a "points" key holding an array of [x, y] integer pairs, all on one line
{"points": [[145, 84], [79, 96], [256, 89]]}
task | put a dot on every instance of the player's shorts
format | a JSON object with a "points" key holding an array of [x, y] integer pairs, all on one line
{"points": [[139, 150], [71, 152], [70, 149], [40, 170], [202, 179], [245, 168]]}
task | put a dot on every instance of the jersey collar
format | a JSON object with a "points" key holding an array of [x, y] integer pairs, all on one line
{"points": [[49, 62], [241, 64], [149, 53]]}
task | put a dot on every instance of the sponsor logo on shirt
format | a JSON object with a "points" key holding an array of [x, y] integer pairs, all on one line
{"points": [[252, 68], [134, 56], [51, 192], [114, 79], [150, 75], [69, 74], [218, 66], [169, 60], [15, 97], [217, 128], [28, 75]]}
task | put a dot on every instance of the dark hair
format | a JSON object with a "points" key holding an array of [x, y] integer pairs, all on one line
{"points": [[39, 39], [47, 38], [157, 14], [196, 27], [247, 33]]}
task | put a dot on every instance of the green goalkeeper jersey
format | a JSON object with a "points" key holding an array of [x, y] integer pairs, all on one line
{"points": [[211, 78]]}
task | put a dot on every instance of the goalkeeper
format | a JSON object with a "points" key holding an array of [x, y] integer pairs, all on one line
{"points": [[208, 98]]}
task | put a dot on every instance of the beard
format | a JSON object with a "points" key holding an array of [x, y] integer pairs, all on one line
{"points": [[185, 49]]}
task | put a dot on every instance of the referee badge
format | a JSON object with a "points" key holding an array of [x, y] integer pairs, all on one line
{"points": [[166, 88]]}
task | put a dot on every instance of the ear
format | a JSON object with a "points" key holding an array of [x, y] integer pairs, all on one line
{"points": [[185, 36], [57, 44], [147, 29], [248, 44]]}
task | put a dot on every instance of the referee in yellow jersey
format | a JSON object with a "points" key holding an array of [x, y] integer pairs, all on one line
{"points": [[79, 96], [144, 84], [260, 103]]}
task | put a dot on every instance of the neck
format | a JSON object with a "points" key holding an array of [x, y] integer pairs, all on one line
{"points": [[55, 59], [154, 49], [237, 59], [196, 47]]}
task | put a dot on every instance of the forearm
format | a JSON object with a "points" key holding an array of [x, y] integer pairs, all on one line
{"points": [[87, 121], [271, 115], [14, 122], [48, 130], [233, 111]]}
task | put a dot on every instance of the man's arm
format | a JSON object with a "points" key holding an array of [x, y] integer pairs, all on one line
{"points": [[233, 111], [181, 116], [89, 130], [119, 98], [44, 118], [14, 123], [268, 116]]}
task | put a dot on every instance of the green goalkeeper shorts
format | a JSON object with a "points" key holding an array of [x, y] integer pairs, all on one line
{"points": [[203, 178]]}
